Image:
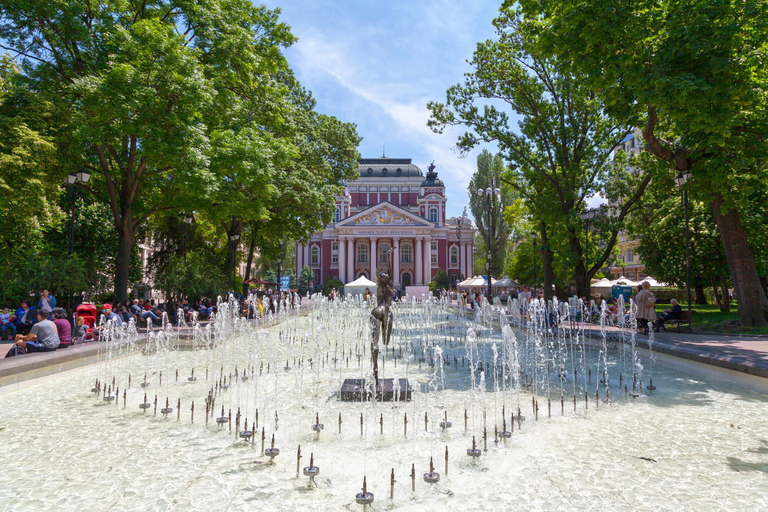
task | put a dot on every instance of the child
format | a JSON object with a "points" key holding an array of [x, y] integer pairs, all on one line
{"points": [[6, 322], [81, 330]]}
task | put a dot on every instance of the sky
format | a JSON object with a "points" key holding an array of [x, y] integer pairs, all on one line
{"points": [[377, 64]]}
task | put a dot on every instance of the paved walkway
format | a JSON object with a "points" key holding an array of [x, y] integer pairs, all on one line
{"points": [[739, 353]]}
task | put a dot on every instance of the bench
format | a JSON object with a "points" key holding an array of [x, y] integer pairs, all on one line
{"points": [[683, 320]]}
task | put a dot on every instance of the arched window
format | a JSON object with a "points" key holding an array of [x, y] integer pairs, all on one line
{"points": [[406, 253], [383, 250], [315, 257], [433, 214], [454, 256], [362, 253]]}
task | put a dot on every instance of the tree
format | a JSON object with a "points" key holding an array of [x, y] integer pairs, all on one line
{"points": [[489, 211], [307, 275], [559, 154], [693, 75], [192, 278], [135, 87]]}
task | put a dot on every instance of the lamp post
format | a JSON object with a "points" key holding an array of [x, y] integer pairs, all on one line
{"points": [[586, 216], [75, 179], [234, 239], [681, 179], [490, 194], [533, 242]]}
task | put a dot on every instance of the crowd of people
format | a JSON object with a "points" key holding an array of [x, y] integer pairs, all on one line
{"points": [[42, 326]]}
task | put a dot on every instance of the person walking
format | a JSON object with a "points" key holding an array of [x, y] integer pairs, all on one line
{"points": [[646, 307]]}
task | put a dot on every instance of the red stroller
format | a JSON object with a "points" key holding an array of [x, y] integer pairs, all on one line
{"points": [[88, 311]]}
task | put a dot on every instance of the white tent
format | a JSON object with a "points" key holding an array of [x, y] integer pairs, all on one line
{"points": [[506, 282], [476, 282], [359, 285]]}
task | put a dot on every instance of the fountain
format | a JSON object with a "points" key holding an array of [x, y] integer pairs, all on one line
{"points": [[457, 365]]}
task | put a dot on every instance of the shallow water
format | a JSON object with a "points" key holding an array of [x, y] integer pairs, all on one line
{"points": [[690, 445]]}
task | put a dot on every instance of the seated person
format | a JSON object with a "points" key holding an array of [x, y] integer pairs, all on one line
{"points": [[673, 313], [42, 337], [63, 327], [109, 316], [81, 332], [6, 323], [26, 317]]}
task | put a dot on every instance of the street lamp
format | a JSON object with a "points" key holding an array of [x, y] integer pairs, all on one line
{"points": [[586, 216], [75, 179], [234, 239], [533, 242], [491, 195], [681, 179], [279, 287]]}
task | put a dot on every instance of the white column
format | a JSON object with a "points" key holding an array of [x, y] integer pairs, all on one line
{"points": [[419, 262], [342, 260], [305, 258], [373, 255], [350, 269], [463, 256], [298, 260], [427, 260], [396, 261]]}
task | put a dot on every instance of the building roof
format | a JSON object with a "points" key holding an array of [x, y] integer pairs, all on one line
{"points": [[432, 180], [388, 167]]}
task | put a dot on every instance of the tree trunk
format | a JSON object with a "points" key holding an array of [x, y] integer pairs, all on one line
{"points": [[546, 263], [701, 298], [579, 275], [752, 301], [123, 258], [251, 250]]}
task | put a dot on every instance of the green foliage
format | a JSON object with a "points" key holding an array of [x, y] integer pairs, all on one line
{"points": [[693, 75], [330, 284], [193, 278], [180, 106], [489, 211], [307, 274], [442, 281], [559, 150]]}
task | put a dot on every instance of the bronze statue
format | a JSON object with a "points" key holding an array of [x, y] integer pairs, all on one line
{"points": [[381, 316]]}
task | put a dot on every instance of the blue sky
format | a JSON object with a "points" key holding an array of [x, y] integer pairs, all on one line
{"points": [[377, 64]]}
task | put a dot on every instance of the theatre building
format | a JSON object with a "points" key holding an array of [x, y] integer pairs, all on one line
{"points": [[391, 205]]}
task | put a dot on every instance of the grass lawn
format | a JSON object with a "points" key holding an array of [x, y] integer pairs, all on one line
{"points": [[709, 318]]}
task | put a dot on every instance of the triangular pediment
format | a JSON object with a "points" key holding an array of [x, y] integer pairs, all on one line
{"points": [[384, 214]]}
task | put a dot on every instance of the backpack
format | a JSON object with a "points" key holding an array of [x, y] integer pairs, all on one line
{"points": [[15, 350]]}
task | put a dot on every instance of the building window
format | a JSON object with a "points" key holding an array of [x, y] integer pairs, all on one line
{"points": [[315, 257], [337, 214], [454, 256], [383, 253], [454, 278], [630, 257], [406, 253], [362, 253], [335, 252], [433, 255], [433, 214]]}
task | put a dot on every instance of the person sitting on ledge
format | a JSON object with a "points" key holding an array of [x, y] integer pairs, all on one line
{"points": [[7, 322], [63, 327], [42, 337], [80, 333], [26, 316], [673, 313]]}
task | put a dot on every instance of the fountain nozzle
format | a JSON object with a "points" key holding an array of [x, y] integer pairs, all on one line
{"points": [[311, 471], [432, 477]]}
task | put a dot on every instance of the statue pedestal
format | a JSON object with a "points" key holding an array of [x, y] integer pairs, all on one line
{"points": [[355, 390]]}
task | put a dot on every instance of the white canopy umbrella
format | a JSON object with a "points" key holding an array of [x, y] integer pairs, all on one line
{"points": [[505, 282], [359, 285]]}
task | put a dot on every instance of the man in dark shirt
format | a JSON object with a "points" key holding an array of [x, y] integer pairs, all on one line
{"points": [[669, 314]]}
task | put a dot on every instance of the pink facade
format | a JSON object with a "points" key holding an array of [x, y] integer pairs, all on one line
{"points": [[393, 207]]}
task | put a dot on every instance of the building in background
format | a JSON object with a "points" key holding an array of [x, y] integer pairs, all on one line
{"points": [[394, 207]]}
